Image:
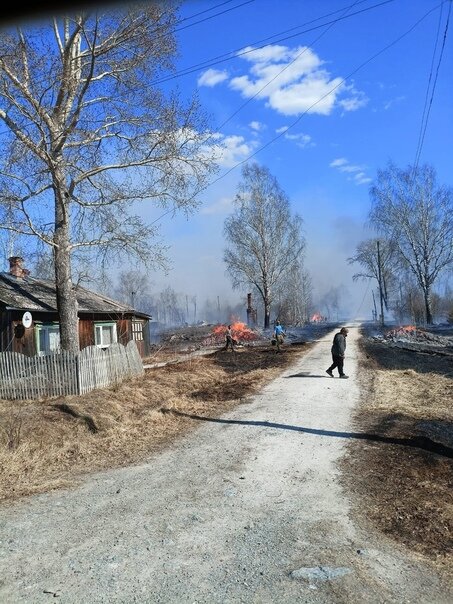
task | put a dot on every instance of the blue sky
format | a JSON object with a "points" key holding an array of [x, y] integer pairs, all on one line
{"points": [[323, 110]]}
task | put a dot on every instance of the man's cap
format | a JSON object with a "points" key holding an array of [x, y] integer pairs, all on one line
{"points": [[344, 330]]}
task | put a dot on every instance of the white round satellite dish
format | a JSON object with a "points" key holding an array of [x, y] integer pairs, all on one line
{"points": [[27, 319]]}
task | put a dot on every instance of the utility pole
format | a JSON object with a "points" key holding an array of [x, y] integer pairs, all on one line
{"points": [[218, 309], [375, 309], [380, 283]]}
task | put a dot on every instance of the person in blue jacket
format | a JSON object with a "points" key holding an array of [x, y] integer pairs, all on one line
{"points": [[279, 335], [338, 350]]}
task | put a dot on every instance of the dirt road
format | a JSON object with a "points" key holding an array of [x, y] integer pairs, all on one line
{"points": [[246, 508]]}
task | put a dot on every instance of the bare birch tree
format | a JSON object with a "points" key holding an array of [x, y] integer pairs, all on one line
{"points": [[378, 265], [134, 288], [264, 240], [416, 214], [85, 136], [171, 305], [297, 296]]}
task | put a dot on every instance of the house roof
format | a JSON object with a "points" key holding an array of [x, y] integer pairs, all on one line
{"points": [[39, 295]]}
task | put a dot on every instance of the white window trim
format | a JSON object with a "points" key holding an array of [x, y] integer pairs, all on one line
{"points": [[137, 330], [105, 324]]}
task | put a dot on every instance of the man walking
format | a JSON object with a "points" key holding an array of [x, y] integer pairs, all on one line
{"points": [[338, 349]]}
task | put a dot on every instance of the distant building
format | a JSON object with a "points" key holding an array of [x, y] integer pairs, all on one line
{"points": [[29, 320]]}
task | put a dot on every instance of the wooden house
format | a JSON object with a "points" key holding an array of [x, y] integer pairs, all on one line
{"points": [[29, 320]]}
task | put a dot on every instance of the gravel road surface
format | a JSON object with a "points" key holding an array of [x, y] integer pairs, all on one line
{"points": [[245, 508]]}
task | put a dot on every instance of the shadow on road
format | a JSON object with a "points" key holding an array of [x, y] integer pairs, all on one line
{"points": [[305, 374], [417, 442]]}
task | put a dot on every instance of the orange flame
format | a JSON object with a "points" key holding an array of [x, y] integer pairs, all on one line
{"points": [[316, 318], [403, 330], [242, 332], [239, 330]]}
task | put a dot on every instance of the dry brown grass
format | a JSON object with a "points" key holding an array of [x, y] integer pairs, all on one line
{"points": [[405, 489], [61, 440]]}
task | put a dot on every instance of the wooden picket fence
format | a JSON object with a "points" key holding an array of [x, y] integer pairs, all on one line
{"points": [[63, 373]]}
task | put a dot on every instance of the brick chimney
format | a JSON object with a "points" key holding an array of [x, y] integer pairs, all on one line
{"points": [[251, 312], [15, 267]]}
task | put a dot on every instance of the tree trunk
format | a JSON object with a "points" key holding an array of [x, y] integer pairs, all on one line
{"points": [[66, 299], [267, 313], [428, 310], [381, 296]]}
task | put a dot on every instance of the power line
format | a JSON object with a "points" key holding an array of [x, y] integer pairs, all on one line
{"points": [[203, 11], [234, 53], [270, 142], [428, 85], [161, 27], [212, 16], [176, 29], [330, 24], [275, 138], [284, 68], [429, 82], [239, 52], [426, 113], [345, 10], [342, 81]]}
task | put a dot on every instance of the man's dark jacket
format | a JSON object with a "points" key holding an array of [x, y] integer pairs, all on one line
{"points": [[339, 345]]}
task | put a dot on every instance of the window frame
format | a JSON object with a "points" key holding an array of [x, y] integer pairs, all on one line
{"points": [[137, 330], [45, 329], [100, 325]]}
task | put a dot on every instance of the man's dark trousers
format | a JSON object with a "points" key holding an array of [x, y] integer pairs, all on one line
{"points": [[337, 362]]}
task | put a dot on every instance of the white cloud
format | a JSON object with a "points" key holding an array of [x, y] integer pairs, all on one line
{"points": [[353, 103], [224, 205], [293, 81], [212, 77], [341, 161], [230, 150], [358, 176], [311, 95], [272, 52], [362, 179], [355, 100], [394, 101], [350, 168], [226, 151], [257, 126], [301, 140], [343, 165]]}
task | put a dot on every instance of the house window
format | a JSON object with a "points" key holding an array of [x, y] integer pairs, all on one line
{"points": [[105, 334], [47, 338], [137, 331]]}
